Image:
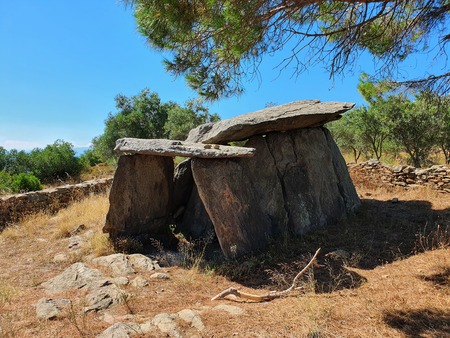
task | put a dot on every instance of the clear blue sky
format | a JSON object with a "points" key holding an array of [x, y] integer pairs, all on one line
{"points": [[63, 62]]}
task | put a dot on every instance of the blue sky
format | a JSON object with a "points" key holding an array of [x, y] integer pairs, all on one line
{"points": [[63, 62]]}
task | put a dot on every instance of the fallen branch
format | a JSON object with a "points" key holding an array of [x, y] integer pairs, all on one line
{"points": [[268, 296]]}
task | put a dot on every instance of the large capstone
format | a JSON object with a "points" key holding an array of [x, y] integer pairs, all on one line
{"points": [[290, 116]]}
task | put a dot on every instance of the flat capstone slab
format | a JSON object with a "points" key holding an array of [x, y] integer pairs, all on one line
{"points": [[162, 147], [289, 116]]}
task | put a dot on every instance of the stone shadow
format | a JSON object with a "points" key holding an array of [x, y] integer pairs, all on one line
{"points": [[379, 233], [420, 323]]}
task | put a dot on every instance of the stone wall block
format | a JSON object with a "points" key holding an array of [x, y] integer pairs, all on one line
{"points": [[13, 208]]}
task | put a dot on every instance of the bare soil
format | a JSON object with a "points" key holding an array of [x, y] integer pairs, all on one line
{"points": [[383, 272]]}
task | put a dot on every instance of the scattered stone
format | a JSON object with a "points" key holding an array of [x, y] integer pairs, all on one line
{"points": [[230, 309], [160, 275], [139, 282], [121, 330], [104, 294], [77, 230], [60, 258], [77, 276], [117, 263], [142, 262], [171, 148], [166, 323], [120, 280], [48, 308], [75, 243], [294, 115], [192, 317]]}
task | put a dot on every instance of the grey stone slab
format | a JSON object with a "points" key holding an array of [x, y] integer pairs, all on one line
{"points": [[294, 115], [161, 147]]}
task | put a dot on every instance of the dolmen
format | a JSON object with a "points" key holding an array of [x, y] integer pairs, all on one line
{"points": [[282, 175]]}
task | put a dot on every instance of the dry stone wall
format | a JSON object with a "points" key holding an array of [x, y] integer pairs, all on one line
{"points": [[15, 207], [436, 177]]}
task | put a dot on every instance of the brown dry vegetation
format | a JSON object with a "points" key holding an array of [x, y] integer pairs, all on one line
{"points": [[395, 281]]}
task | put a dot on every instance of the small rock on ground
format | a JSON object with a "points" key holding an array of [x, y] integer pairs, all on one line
{"points": [[48, 308], [160, 275], [231, 309], [121, 330]]}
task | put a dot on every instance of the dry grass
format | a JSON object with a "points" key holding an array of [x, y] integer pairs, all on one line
{"points": [[395, 281]]}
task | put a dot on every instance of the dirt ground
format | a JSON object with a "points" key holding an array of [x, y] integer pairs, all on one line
{"points": [[384, 272]]}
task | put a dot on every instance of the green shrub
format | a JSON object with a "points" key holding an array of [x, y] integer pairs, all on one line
{"points": [[26, 182], [56, 161], [6, 182]]}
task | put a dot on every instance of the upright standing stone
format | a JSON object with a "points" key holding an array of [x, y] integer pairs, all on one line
{"points": [[196, 222], [344, 181], [141, 194], [230, 200], [264, 176], [310, 184]]}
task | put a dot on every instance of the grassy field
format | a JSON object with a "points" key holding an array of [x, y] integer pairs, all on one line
{"points": [[384, 272]]}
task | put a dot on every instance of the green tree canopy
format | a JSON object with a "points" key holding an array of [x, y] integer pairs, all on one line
{"points": [[145, 116], [218, 43], [55, 161]]}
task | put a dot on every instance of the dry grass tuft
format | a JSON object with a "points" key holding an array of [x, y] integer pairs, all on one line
{"points": [[29, 227], [89, 212]]}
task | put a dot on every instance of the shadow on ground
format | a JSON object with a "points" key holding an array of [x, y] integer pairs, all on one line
{"points": [[379, 233], [420, 323]]}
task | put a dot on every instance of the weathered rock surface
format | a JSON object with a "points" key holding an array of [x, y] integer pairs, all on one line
{"points": [[77, 276], [296, 182], [265, 179], [196, 222], [141, 196], [230, 309], [160, 147], [121, 330], [308, 177], [121, 264], [294, 115], [103, 294], [48, 308], [142, 262], [166, 323], [182, 187], [139, 282], [117, 263], [192, 317], [344, 181], [231, 202]]}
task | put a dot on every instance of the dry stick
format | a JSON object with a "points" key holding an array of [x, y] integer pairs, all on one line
{"points": [[269, 296]]}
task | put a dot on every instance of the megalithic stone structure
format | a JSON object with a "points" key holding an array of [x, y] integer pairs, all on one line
{"points": [[289, 177]]}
